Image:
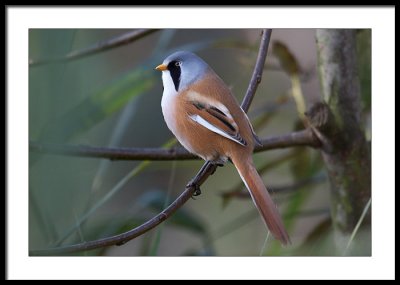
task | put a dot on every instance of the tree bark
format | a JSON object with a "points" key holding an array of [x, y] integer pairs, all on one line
{"points": [[346, 152]]}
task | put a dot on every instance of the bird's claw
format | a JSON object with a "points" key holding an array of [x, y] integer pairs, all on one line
{"points": [[196, 187], [197, 191]]}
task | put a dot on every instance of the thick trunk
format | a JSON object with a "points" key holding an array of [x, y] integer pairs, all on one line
{"points": [[346, 154]]}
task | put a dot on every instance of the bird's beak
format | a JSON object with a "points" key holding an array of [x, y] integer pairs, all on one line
{"points": [[162, 67]]}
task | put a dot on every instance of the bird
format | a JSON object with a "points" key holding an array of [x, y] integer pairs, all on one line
{"points": [[203, 114]]}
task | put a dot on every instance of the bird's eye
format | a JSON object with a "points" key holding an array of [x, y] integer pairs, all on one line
{"points": [[178, 63]]}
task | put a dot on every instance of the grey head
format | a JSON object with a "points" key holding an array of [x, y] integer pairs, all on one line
{"points": [[184, 68]]}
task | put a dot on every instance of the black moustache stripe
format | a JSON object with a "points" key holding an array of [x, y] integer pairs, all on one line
{"points": [[175, 72]]}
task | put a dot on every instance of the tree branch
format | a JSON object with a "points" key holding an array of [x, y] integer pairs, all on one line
{"points": [[193, 186], [143, 228], [258, 69], [300, 138], [98, 47]]}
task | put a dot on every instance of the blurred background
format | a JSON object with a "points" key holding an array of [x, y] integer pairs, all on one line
{"points": [[112, 98]]}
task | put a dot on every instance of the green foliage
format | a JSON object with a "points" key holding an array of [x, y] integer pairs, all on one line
{"points": [[99, 105], [79, 101], [286, 58]]}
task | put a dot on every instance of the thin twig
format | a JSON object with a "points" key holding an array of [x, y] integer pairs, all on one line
{"points": [[299, 138], [258, 69], [124, 237], [193, 186], [98, 47]]}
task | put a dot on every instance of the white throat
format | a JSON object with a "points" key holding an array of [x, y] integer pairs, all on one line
{"points": [[169, 94], [169, 87], [168, 101]]}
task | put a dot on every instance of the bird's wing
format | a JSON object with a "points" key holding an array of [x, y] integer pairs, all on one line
{"points": [[215, 118]]}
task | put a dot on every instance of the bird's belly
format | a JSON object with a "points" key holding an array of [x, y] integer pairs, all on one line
{"points": [[169, 110]]}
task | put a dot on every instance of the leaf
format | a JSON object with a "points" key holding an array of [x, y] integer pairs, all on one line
{"points": [[110, 194], [108, 100], [286, 58], [99, 105]]}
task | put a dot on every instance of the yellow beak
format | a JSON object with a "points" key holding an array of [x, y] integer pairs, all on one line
{"points": [[162, 67]]}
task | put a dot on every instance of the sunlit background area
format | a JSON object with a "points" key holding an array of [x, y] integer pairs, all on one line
{"points": [[112, 99]]}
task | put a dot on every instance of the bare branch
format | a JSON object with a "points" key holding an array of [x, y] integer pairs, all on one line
{"points": [[300, 138], [258, 69], [193, 186], [113, 153], [98, 47], [127, 236]]}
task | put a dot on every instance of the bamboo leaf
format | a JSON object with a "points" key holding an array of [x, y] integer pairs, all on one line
{"points": [[99, 105]]}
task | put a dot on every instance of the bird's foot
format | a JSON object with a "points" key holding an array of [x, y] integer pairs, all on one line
{"points": [[196, 187]]}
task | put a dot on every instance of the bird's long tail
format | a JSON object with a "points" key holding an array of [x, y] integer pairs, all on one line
{"points": [[261, 198]]}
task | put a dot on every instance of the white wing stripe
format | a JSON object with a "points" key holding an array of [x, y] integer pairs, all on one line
{"points": [[198, 119]]}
